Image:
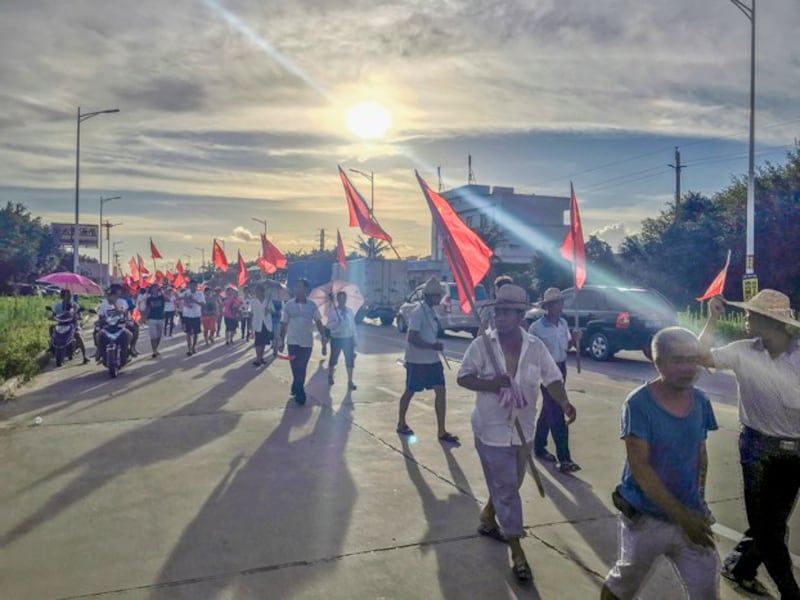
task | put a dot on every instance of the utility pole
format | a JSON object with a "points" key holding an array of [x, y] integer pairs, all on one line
{"points": [[439, 175], [108, 225], [678, 167], [321, 240]]}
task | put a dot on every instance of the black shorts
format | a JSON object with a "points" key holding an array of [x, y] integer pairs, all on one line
{"points": [[263, 337], [231, 324], [191, 324], [424, 376]]}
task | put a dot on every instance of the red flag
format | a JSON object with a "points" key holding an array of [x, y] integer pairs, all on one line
{"points": [[134, 268], [154, 253], [466, 253], [572, 248], [218, 257], [159, 278], [179, 267], [243, 276], [359, 212], [142, 269], [266, 266], [341, 258], [718, 285], [180, 281], [271, 254], [169, 276]]}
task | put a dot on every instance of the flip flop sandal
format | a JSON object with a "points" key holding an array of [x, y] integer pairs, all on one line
{"points": [[406, 430], [522, 571], [449, 438], [493, 532]]}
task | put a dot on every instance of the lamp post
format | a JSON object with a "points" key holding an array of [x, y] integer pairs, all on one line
{"points": [[100, 252], [750, 280], [263, 222], [76, 233], [108, 227], [371, 177], [203, 256]]}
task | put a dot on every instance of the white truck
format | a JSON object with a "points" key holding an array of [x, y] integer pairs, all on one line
{"points": [[383, 283]]}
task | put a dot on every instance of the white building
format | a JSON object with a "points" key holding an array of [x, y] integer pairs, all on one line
{"points": [[528, 222]]}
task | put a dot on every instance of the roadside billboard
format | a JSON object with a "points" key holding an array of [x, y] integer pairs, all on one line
{"points": [[88, 234]]}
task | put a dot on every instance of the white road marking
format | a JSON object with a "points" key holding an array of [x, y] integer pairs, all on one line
{"points": [[735, 536]]}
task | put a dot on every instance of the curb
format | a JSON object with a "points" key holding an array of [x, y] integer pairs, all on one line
{"points": [[9, 387]]}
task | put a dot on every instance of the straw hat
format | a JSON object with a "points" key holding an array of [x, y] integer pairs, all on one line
{"points": [[432, 287], [552, 294], [772, 304], [511, 296]]}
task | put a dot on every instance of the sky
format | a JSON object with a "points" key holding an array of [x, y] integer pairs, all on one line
{"points": [[237, 109]]}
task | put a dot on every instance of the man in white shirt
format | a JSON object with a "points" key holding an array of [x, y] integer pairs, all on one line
{"points": [[505, 367], [423, 369], [554, 332], [767, 371], [192, 300], [298, 318], [112, 302]]}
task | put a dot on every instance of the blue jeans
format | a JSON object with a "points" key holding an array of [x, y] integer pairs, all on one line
{"points": [[551, 419]]}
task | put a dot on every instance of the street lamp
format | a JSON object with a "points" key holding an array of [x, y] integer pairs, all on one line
{"points": [[76, 233], [371, 177], [750, 280], [100, 251], [203, 256], [263, 222]]}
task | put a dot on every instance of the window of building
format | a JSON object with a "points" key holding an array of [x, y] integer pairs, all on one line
{"points": [[484, 221], [469, 221]]}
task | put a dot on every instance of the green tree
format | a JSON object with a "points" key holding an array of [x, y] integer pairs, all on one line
{"points": [[27, 249], [369, 247]]}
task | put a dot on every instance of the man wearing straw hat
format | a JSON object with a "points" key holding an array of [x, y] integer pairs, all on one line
{"points": [[554, 331], [767, 370], [423, 368], [505, 367]]}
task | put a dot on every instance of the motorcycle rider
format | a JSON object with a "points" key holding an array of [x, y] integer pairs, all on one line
{"points": [[131, 322], [112, 302], [67, 304]]}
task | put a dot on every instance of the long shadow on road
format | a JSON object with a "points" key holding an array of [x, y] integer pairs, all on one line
{"points": [[162, 439], [288, 506]]}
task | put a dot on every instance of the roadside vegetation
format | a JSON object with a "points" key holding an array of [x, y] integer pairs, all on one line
{"points": [[729, 329], [24, 330]]}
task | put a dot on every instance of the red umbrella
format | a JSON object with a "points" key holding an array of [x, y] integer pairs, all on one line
{"points": [[77, 284]]}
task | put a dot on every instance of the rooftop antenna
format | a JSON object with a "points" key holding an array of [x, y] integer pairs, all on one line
{"points": [[471, 175]]}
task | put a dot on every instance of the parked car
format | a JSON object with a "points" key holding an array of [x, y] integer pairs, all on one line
{"points": [[614, 318], [448, 311]]}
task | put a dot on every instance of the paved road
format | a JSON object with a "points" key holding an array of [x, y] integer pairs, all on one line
{"points": [[197, 478]]}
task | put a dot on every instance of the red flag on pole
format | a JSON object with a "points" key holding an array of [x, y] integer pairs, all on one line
{"points": [[359, 212], [159, 278], [266, 266], [271, 254], [154, 253], [218, 257], [169, 276], [179, 267], [142, 269], [134, 269], [341, 258], [243, 277], [466, 253], [718, 285], [572, 248]]}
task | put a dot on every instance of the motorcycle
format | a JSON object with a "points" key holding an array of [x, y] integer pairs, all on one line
{"points": [[62, 336], [112, 330]]}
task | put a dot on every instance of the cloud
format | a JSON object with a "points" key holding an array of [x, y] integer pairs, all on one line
{"points": [[245, 235], [612, 234]]}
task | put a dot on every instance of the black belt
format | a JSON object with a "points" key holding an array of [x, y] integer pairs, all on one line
{"points": [[778, 443]]}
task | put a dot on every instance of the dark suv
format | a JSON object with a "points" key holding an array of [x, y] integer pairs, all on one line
{"points": [[615, 318]]}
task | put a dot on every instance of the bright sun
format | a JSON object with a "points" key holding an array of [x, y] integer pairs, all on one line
{"points": [[368, 120]]}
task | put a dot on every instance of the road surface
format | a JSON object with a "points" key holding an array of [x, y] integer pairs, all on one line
{"points": [[196, 477]]}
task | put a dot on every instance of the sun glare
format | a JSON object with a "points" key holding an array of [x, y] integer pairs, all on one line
{"points": [[368, 120]]}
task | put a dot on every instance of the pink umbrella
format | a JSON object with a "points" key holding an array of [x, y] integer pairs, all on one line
{"points": [[77, 284]]}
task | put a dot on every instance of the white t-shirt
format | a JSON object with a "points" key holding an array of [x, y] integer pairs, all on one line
{"points": [[555, 337], [341, 322], [491, 422], [300, 317], [169, 303], [191, 310], [769, 390], [423, 321], [262, 313], [105, 306]]}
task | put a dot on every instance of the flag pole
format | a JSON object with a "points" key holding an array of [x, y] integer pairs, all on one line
{"points": [[456, 267], [575, 273]]}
